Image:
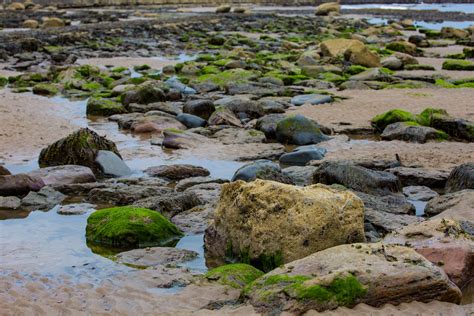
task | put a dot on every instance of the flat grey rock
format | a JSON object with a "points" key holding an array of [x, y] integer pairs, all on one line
{"points": [[111, 164]]}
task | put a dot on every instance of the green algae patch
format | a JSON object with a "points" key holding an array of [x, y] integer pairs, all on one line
{"points": [[393, 116], [454, 64], [429, 115], [128, 226], [343, 291], [3, 81], [236, 275]]}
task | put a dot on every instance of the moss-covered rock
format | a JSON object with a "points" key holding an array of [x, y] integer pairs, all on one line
{"points": [[396, 115], [79, 148], [3, 81], [428, 115], [402, 47], [104, 107], [453, 64], [236, 275], [298, 130], [45, 89], [128, 226]]}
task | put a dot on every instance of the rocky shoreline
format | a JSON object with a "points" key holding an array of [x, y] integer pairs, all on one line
{"points": [[235, 163]]}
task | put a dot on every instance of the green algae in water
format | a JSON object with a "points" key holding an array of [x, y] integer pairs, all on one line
{"points": [[128, 226]]}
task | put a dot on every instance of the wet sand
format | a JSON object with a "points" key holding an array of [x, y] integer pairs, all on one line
{"points": [[28, 123]]}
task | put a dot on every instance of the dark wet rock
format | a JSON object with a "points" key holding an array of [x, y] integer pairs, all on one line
{"points": [[177, 172], [354, 85], [392, 203], [255, 88], [145, 93], [261, 169], [277, 223], [200, 108], [419, 193], [419, 40], [300, 156], [431, 178], [190, 182], [19, 184], [312, 99], [411, 133], [385, 222], [155, 256], [178, 139], [123, 194], [461, 178], [376, 274], [9, 202], [268, 124], [300, 175], [235, 135], [455, 127], [223, 116], [238, 104], [457, 205], [298, 130], [111, 165], [76, 209], [272, 105], [166, 107], [44, 199], [195, 220], [177, 85], [392, 63], [207, 193], [4, 171], [66, 174], [377, 164], [170, 203], [357, 178], [79, 148], [191, 121]]}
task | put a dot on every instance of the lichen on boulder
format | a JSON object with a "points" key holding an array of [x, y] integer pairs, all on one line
{"points": [[131, 227], [267, 223], [79, 148]]}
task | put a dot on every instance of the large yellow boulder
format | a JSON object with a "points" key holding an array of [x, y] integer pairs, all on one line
{"points": [[30, 24], [16, 6], [352, 50], [53, 22], [269, 223], [327, 8]]}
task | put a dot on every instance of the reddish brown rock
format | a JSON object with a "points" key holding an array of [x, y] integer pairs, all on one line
{"points": [[177, 172], [19, 184]]}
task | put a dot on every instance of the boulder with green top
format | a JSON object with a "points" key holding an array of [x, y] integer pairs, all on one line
{"points": [[79, 148], [403, 47], [267, 223], [147, 92], [236, 275], [346, 275], [412, 132], [104, 107], [381, 121], [299, 130], [440, 119], [131, 227]]}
